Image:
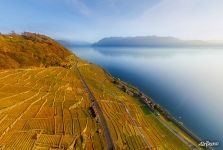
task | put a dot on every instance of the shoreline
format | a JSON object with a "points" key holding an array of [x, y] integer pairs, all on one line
{"points": [[161, 113]]}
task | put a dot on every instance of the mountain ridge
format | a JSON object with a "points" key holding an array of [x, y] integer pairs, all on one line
{"points": [[152, 41]]}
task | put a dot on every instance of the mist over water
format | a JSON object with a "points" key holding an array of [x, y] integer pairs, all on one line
{"points": [[187, 82]]}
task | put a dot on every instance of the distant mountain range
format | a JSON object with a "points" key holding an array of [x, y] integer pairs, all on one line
{"points": [[143, 41], [153, 41], [74, 43]]}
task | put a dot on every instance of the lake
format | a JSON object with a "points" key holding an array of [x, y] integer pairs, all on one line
{"points": [[187, 82]]}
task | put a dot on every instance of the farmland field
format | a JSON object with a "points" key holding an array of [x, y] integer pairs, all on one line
{"points": [[46, 108], [49, 108], [131, 126]]}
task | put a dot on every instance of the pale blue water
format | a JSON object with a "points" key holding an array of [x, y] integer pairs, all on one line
{"points": [[187, 82]]}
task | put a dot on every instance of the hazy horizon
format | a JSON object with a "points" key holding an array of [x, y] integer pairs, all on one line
{"points": [[136, 36], [85, 20]]}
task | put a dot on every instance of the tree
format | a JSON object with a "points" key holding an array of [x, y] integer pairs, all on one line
{"points": [[12, 33]]}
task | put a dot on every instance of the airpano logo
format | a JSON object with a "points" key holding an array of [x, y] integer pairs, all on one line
{"points": [[208, 144]]}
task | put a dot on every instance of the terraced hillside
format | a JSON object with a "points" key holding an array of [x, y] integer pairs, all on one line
{"points": [[69, 103], [131, 123], [46, 108]]}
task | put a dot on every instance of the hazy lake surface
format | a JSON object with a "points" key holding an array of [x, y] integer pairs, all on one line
{"points": [[187, 82]]}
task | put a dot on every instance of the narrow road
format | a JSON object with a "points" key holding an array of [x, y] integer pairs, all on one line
{"points": [[100, 113]]}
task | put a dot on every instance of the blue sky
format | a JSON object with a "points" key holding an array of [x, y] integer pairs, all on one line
{"points": [[90, 20]]}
